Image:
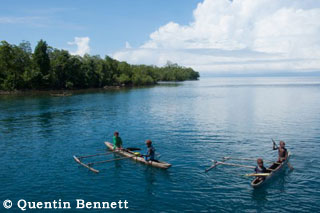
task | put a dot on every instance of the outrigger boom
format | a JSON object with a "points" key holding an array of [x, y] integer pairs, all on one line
{"points": [[237, 165], [88, 165], [259, 178], [246, 159], [216, 163], [105, 161], [89, 156]]}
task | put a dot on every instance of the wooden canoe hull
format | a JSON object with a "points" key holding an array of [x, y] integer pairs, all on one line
{"points": [[158, 164], [276, 168]]}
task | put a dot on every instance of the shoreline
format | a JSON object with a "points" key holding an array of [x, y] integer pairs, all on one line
{"points": [[67, 92], [61, 92]]}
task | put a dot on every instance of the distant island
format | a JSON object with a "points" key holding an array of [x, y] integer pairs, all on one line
{"points": [[49, 68]]}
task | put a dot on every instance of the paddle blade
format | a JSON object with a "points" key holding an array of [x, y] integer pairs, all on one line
{"points": [[133, 149], [289, 165], [257, 175], [137, 154]]}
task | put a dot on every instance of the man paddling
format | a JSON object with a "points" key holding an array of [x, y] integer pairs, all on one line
{"points": [[150, 152], [282, 151], [117, 142]]}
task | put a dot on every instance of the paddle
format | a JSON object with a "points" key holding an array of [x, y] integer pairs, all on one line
{"points": [[274, 144], [133, 149], [257, 174], [289, 165]]}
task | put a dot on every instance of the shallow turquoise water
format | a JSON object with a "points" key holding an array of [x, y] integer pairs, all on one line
{"points": [[191, 123]]}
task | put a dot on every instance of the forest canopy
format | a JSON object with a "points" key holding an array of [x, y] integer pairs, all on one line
{"points": [[50, 68]]}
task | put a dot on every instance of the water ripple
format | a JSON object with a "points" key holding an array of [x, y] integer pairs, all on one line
{"points": [[191, 124]]}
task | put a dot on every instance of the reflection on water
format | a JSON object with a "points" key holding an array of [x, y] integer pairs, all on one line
{"points": [[259, 195]]}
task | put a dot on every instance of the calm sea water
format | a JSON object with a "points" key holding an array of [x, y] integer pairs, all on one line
{"points": [[191, 123]]}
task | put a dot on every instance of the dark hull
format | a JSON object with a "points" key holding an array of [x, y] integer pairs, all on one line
{"points": [[276, 168]]}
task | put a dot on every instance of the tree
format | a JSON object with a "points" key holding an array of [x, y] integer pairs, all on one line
{"points": [[60, 68], [90, 65], [15, 61], [76, 74], [124, 79], [49, 68], [42, 64], [22, 64], [112, 67], [6, 65]]}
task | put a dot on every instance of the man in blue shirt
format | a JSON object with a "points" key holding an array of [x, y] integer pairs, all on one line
{"points": [[150, 156]]}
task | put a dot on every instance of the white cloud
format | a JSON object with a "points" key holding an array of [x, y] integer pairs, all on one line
{"points": [[237, 36], [16, 20], [82, 45], [35, 21], [128, 46], [44, 19]]}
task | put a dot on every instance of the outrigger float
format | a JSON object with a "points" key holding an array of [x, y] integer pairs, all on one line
{"points": [[127, 153], [272, 170]]}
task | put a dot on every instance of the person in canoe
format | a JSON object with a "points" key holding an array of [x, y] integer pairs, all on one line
{"points": [[150, 156], [260, 168], [282, 151], [117, 141]]}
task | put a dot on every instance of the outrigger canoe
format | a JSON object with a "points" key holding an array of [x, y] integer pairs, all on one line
{"points": [[131, 155], [273, 170]]}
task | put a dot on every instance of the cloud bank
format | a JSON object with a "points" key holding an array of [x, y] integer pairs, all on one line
{"points": [[82, 44], [239, 36]]}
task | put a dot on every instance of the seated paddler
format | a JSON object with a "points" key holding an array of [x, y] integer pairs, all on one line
{"points": [[150, 156], [282, 151], [260, 167], [117, 141]]}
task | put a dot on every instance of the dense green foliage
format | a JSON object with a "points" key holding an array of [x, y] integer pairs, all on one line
{"points": [[48, 68]]}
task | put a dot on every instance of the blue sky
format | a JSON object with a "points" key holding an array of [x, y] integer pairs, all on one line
{"points": [[212, 36], [108, 23]]}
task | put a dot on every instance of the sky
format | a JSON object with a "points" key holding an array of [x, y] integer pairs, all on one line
{"points": [[211, 36]]}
